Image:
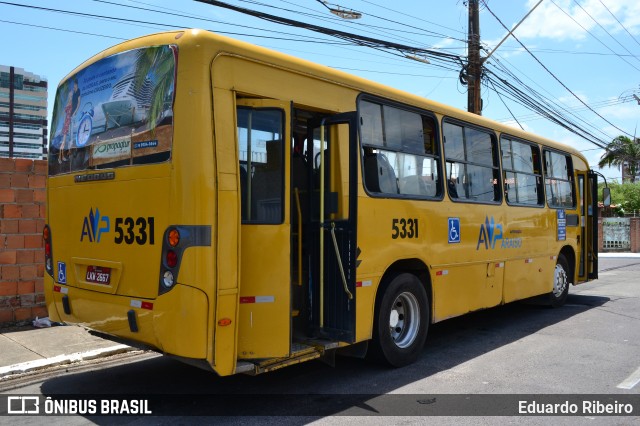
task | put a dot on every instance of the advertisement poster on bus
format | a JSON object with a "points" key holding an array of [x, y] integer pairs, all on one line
{"points": [[117, 111]]}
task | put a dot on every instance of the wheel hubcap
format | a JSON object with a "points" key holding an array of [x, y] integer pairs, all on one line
{"points": [[560, 281], [404, 320]]}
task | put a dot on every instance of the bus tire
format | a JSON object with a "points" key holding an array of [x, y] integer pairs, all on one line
{"points": [[561, 281], [401, 320]]}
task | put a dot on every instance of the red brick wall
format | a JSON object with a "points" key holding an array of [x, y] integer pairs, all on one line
{"points": [[600, 242], [635, 234], [22, 212]]}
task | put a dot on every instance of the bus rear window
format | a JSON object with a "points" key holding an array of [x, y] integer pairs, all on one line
{"points": [[116, 112]]}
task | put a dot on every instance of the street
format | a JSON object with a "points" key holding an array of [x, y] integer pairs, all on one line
{"points": [[589, 346]]}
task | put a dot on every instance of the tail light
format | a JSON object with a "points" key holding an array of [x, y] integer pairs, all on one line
{"points": [[175, 241], [48, 251]]}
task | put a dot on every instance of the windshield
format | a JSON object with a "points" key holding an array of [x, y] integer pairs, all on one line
{"points": [[116, 112]]}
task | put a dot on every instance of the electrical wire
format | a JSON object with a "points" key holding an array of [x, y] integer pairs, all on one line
{"points": [[608, 33], [358, 39], [505, 105], [592, 35], [552, 74], [556, 107], [618, 21], [496, 76]]}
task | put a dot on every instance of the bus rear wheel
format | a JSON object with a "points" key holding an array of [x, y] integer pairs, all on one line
{"points": [[561, 281], [401, 320]]}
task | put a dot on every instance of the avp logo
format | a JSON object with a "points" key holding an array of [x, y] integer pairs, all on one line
{"points": [[94, 226], [490, 232]]}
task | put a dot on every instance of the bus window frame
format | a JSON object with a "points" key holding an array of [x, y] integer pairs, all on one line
{"points": [[570, 175], [541, 175], [283, 171], [436, 158], [497, 161]]}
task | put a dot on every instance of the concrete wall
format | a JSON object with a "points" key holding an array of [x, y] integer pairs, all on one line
{"points": [[22, 212], [634, 235]]}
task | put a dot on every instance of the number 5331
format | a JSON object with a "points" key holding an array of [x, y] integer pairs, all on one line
{"points": [[404, 228], [130, 230]]}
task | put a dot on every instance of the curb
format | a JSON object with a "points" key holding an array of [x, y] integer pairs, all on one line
{"points": [[627, 255], [29, 366]]}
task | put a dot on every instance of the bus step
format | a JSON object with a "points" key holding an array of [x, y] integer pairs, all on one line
{"points": [[300, 352]]}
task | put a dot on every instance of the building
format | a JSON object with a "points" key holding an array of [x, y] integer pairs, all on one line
{"points": [[23, 114], [626, 173]]}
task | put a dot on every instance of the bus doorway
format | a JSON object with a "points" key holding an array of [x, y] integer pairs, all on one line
{"points": [[264, 316]]}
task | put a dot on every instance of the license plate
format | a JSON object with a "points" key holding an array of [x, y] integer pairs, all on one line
{"points": [[98, 275]]}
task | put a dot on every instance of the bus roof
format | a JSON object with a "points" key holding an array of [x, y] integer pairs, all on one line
{"points": [[224, 43]]}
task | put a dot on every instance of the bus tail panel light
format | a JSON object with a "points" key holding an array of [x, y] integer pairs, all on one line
{"points": [[48, 251], [177, 239]]}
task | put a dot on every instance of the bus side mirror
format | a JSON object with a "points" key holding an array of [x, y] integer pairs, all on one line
{"points": [[606, 196]]}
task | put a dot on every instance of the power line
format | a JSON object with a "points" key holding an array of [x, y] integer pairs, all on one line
{"points": [[172, 26], [358, 39], [505, 105], [599, 105], [526, 97], [604, 29], [552, 74], [623, 27], [546, 106], [592, 35], [412, 16], [61, 29]]}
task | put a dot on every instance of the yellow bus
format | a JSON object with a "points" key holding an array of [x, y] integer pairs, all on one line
{"points": [[245, 210]]}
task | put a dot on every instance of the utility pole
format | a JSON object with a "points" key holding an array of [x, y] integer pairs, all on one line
{"points": [[474, 63]]}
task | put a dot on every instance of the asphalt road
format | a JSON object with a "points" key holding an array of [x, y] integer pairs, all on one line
{"points": [[473, 365]]}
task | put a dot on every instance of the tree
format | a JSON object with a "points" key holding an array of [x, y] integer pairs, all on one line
{"points": [[625, 197], [623, 152], [155, 64]]}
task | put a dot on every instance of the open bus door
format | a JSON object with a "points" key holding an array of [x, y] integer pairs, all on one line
{"points": [[263, 132], [592, 224], [333, 227], [588, 225]]}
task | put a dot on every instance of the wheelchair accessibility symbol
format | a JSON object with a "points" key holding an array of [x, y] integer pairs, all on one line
{"points": [[62, 273], [454, 230]]}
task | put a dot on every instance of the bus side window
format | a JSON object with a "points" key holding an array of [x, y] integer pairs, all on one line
{"points": [[473, 172], [400, 155], [558, 180], [260, 150]]}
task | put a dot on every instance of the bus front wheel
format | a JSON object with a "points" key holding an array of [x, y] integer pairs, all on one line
{"points": [[561, 281], [401, 320]]}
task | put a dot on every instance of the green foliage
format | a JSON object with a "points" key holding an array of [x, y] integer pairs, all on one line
{"points": [[625, 197]]}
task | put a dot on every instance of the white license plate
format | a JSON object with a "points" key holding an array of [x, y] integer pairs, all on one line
{"points": [[98, 275]]}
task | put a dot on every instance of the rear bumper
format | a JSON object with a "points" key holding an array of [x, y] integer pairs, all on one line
{"points": [[174, 323]]}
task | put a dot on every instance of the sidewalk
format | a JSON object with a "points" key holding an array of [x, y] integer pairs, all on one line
{"points": [[26, 349], [620, 255]]}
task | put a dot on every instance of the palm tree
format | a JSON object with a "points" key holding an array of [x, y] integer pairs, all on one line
{"points": [[625, 152], [158, 64]]}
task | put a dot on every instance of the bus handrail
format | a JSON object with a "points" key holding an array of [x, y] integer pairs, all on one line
{"points": [[335, 246]]}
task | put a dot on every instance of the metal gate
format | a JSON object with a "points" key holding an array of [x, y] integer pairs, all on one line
{"points": [[616, 233]]}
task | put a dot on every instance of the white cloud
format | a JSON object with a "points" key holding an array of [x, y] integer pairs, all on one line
{"points": [[624, 111], [553, 18], [445, 42]]}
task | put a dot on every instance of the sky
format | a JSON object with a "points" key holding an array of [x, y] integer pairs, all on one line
{"points": [[582, 55]]}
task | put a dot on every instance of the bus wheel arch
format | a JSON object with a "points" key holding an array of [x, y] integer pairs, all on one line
{"points": [[402, 314]]}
